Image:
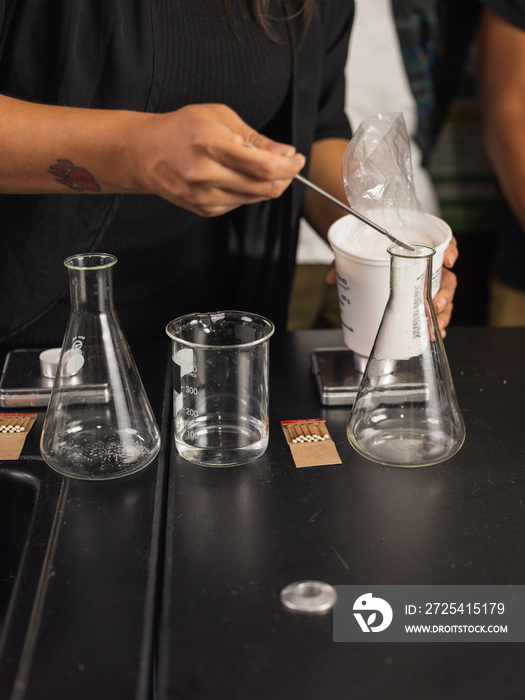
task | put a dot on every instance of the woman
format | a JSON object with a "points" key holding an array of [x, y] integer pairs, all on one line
{"points": [[138, 111]]}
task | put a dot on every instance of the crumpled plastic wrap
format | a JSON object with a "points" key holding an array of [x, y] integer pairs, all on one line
{"points": [[377, 174]]}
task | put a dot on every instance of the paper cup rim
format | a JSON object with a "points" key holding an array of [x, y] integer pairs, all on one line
{"points": [[376, 260]]}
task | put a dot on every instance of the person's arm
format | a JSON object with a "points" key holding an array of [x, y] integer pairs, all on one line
{"points": [[325, 171], [193, 157], [502, 93]]}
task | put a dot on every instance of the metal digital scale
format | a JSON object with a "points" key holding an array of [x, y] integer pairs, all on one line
{"points": [[338, 373], [23, 384]]}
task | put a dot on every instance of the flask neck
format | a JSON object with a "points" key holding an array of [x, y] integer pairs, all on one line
{"points": [[91, 282], [407, 324], [411, 273]]}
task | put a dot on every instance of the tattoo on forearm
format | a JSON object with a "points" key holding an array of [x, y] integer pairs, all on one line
{"points": [[78, 179]]}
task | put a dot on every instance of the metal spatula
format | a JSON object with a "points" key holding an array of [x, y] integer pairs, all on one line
{"points": [[355, 213], [347, 208]]}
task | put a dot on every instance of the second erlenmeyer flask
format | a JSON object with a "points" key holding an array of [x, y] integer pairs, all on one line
{"points": [[99, 423], [406, 411]]}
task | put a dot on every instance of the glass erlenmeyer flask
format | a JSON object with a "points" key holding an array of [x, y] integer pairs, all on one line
{"points": [[406, 412], [99, 423]]}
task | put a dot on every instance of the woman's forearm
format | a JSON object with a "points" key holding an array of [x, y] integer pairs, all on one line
{"points": [[325, 172], [46, 149]]}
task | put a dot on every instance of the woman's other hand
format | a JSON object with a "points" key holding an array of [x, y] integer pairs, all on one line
{"points": [[444, 299]]}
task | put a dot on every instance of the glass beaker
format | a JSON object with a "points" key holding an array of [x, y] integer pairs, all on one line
{"points": [[406, 411], [220, 386], [99, 423]]}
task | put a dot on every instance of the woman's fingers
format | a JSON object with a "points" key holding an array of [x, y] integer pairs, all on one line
{"points": [[443, 301], [451, 253], [196, 158]]}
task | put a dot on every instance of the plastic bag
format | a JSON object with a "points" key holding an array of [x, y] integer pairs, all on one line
{"points": [[377, 174]]}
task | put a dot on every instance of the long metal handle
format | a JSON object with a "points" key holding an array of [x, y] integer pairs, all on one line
{"points": [[355, 213], [347, 208]]}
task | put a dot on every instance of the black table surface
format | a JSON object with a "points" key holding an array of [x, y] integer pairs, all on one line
{"points": [[170, 590], [81, 625], [235, 537]]}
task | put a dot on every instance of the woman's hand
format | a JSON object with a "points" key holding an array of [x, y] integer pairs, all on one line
{"points": [[196, 158], [443, 301]]}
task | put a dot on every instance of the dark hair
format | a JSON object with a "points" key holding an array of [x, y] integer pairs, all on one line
{"points": [[260, 9]]}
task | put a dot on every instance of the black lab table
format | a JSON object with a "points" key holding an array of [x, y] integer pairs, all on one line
{"points": [[236, 537]]}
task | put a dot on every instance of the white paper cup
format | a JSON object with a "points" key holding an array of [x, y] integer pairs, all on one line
{"points": [[362, 264]]}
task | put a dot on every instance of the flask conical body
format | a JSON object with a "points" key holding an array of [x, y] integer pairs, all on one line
{"points": [[406, 411], [99, 423]]}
